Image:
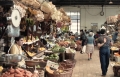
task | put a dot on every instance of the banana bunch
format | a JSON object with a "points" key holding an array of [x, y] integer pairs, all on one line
{"points": [[42, 49], [31, 53]]}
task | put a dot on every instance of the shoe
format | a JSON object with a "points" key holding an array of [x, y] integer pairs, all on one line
{"points": [[103, 75], [88, 59], [81, 52]]}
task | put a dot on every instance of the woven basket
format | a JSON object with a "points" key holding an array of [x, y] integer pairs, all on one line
{"points": [[69, 56], [64, 74], [68, 65], [42, 63], [115, 70]]}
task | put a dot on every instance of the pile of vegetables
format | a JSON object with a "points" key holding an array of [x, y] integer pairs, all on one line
{"points": [[62, 49], [69, 50], [63, 43], [73, 44], [58, 49], [52, 57], [18, 72]]}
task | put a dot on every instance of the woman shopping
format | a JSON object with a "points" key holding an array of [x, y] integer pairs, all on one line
{"points": [[90, 45]]}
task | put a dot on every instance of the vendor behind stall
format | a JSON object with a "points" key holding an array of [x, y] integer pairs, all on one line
{"points": [[17, 49]]}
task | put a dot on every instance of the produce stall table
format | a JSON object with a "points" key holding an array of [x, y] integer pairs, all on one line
{"points": [[112, 53]]}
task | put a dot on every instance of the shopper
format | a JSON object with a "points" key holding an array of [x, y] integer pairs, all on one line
{"points": [[96, 36], [17, 49], [90, 45], [115, 35], [83, 39], [87, 33], [104, 43]]}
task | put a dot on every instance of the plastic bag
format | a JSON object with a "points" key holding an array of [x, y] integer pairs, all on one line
{"points": [[84, 49], [13, 31]]}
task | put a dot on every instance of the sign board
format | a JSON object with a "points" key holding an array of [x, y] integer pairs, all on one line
{"points": [[52, 64]]}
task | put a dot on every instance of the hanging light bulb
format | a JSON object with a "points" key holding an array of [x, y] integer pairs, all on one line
{"points": [[110, 2]]}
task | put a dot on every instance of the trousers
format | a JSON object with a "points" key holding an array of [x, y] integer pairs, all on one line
{"points": [[104, 55]]}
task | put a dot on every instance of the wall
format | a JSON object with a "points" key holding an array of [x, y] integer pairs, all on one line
{"points": [[91, 14]]}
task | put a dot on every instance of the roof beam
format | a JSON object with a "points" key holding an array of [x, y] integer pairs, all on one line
{"points": [[86, 3]]}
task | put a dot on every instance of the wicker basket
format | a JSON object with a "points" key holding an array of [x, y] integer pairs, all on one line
{"points": [[71, 63], [69, 56], [115, 70], [64, 74], [42, 63]]}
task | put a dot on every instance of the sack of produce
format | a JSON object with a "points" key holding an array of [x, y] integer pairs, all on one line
{"points": [[47, 16], [62, 11], [66, 18], [39, 16], [31, 3], [22, 8], [46, 7]]}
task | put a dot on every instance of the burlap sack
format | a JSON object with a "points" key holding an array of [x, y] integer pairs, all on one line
{"points": [[62, 11], [57, 16], [21, 10], [39, 16], [31, 3], [46, 7], [66, 18], [47, 16]]}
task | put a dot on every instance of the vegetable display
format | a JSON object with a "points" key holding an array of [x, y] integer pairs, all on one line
{"points": [[52, 57], [18, 72]]}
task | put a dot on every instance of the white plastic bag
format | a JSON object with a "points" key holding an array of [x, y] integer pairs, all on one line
{"points": [[84, 49], [13, 31]]}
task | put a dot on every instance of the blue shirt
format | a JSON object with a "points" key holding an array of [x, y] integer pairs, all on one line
{"points": [[90, 40]]}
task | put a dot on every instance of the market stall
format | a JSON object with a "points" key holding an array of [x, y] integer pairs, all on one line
{"points": [[113, 29], [37, 20]]}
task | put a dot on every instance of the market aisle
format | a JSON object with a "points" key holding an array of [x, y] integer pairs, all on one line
{"points": [[85, 68]]}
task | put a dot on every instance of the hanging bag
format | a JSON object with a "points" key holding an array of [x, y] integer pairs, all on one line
{"points": [[13, 31], [84, 49]]}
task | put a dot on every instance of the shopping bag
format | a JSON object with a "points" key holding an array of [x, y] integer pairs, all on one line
{"points": [[84, 49], [13, 31]]}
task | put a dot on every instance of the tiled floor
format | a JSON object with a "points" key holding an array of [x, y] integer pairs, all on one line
{"points": [[85, 68]]}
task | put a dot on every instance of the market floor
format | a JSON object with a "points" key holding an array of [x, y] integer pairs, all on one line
{"points": [[85, 68]]}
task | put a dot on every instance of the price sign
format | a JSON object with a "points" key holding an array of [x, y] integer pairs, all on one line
{"points": [[52, 64]]}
